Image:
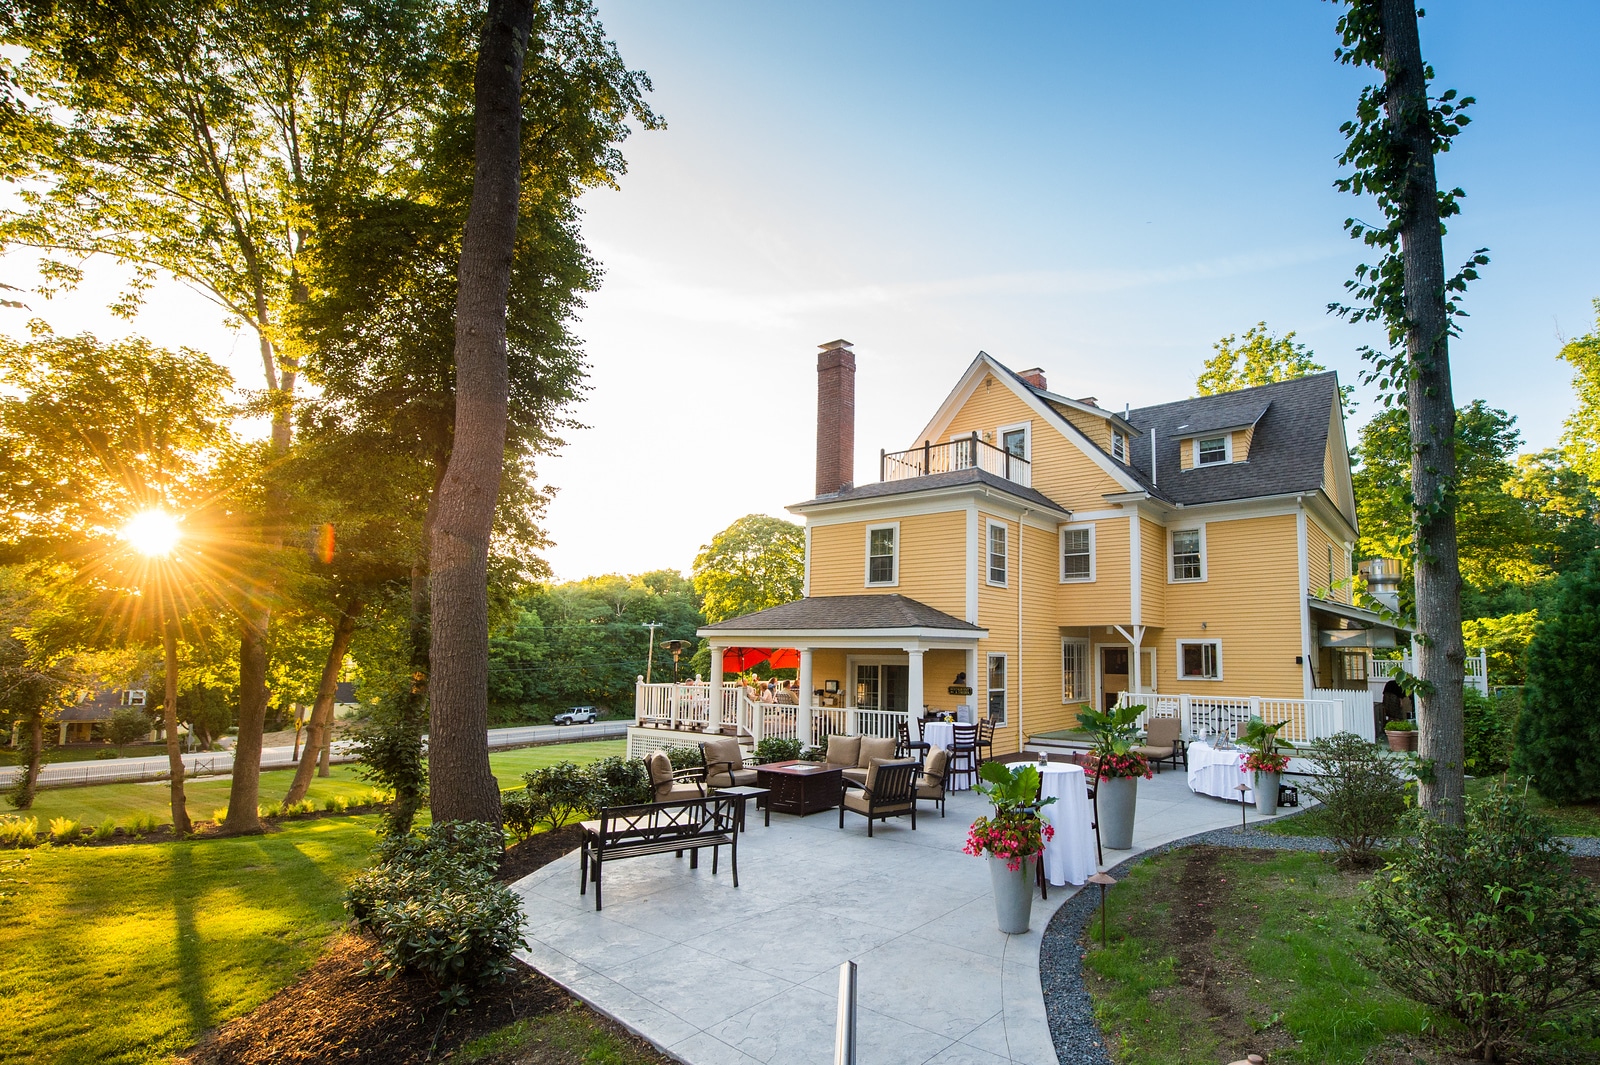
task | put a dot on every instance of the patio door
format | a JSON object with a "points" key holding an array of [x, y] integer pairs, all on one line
{"points": [[1113, 675], [880, 686]]}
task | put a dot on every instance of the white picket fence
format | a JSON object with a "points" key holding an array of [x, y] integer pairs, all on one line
{"points": [[1220, 715], [1477, 669]]}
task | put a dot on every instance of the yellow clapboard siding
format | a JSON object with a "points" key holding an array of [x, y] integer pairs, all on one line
{"points": [[933, 552], [1250, 601], [1105, 600], [1241, 444], [1095, 427], [1152, 572], [1318, 542], [1060, 468]]}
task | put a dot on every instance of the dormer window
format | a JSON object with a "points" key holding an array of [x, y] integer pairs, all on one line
{"points": [[1119, 445], [1212, 450]]}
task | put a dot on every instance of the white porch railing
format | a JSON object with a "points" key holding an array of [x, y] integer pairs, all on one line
{"points": [[687, 706], [851, 721], [1477, 669], [1308, 719]]}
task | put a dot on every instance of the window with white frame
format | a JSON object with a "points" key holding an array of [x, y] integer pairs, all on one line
{"points": [[1076, 672], [1330, 566], [1188, 555], [133, 697], [997, 553], [1212, 450], [1200, 659], [1077, 553], [1119, 445], [883, 554], [997, 689], [1353, 667]]}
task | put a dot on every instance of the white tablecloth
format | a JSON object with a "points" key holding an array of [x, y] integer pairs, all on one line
{"points": [[942, 734], [1219, 773], [1069, 858]]}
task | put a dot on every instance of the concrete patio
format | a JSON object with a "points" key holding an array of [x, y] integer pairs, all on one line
{"points": [[721, 976]]}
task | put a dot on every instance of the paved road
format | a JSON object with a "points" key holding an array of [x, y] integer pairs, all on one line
{"points": [[221, 762]]}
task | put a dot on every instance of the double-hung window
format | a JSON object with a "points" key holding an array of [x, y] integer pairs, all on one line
{"points": [[997, 553], [1211, 450], [883, 554], [1119, 445], [1188, 555], [1200, 659], [1077, 553], [997, 689], [1075, 679]]}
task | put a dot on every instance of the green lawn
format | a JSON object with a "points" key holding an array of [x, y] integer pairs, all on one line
{"points": [[1578, 819], [1274, 939], [205, 795], [126, 954], [10, 756]]}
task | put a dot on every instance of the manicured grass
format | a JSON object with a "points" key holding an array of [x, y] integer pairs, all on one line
{"points": [[10, 756], [574, 1035], [1578, 819], [1215, 953], [205, 795], [126, 954]]}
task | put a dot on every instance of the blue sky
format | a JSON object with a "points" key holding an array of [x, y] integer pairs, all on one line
{"points": [[1101, 190]]}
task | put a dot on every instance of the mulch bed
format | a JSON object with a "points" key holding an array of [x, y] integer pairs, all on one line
{"points": [[336, 1014]]}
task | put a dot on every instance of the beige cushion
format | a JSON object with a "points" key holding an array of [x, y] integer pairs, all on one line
{"points": [[1158, 753], [739, 778], [937, 761], [930, 788], [856, 800], [855, 775], [660, 767], [724, 750], [1162, 732], [674, 792], [844, 750], [874, 748]]}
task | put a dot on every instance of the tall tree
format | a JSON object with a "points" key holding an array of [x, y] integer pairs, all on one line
{"points": [[1581, 441], [757, 562], [1260, 359], [1391, 145]]}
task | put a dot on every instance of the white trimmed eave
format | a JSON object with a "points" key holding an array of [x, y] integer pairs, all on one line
{"points": [[928, 638], [988, 497]]}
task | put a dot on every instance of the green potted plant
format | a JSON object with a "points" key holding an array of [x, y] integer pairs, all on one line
{"points": [[1402, 735], [1265, 761], [1012, 840], [1117, 768]]}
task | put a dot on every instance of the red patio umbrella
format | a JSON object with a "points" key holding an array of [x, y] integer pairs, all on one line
{"points": [[744, 659], [784, 658]]}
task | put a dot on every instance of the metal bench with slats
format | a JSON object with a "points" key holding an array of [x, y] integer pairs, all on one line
{"points": [[657, 828]]}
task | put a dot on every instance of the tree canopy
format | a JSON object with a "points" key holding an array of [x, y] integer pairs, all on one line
{"points": [[1261, 358], [757, 562], [1581, 440]]}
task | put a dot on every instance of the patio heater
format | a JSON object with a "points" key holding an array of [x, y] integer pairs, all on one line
{"points": [[676, 647]]}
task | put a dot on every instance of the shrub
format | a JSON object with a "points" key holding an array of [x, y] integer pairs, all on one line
{"points": [[1487, 922], [105, 829], [64, 830], [519, 814], [101, 756], [557, 793], [814, 754], [616, 781], [18, 831], [340, 803], [1558, 730], [1361, 792], [433, 905], [389, 746], [1487, 735], [773, 749], [270, 811], [686, 757], [220, 814], [143, 824]]}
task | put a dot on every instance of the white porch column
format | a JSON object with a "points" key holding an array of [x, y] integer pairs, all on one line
{"points": [[914, 696], [802, 714], [977, 684], [714, 712]]}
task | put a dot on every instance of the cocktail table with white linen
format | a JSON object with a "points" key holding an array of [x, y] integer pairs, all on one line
{"points": [[1218, 772], [1069, 858], [940, 735]]}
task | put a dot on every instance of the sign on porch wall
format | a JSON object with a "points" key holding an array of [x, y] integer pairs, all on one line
{"points": [[960, 689]]}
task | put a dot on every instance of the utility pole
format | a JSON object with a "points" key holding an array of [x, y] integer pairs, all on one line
{"points": [[650, 659]]}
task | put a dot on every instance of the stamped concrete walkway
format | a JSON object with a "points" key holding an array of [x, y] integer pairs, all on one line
{"points": [[721, 976]]}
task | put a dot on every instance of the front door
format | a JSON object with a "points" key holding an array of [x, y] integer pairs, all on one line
{"points": [[1113, 675]]}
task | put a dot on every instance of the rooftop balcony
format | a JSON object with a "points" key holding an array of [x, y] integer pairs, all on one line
{"points": [[964, 454]]}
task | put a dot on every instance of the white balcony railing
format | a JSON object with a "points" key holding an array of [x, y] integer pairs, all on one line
{"points": [[1477, 669], [969, 452], [1307, 719]]}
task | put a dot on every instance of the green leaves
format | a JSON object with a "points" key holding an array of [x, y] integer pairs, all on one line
{"points": [[1011, 787], [757, 562]]}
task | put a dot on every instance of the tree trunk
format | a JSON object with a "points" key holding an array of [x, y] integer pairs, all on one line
{"points": [[1440, 657], [169, 721], [461, 785], [28, 786], [317, 730], [244, 792]]}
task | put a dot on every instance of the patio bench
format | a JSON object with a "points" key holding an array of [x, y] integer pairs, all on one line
{"points": [[656, 828]]}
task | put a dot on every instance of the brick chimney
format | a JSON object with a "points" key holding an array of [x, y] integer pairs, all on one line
{"points": [[836, 417], [1035, 377]]}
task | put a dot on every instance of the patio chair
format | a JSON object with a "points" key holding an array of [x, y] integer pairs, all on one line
{"points": [[873, 748], [667, 784], [985, 740], [889, 791], [1162, 743], [843, 751], [725, 764], [930, 783], [964, 752], [905, 746]]}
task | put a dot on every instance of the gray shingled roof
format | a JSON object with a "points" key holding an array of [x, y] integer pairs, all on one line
{"points": [[939, 480], [1286, 450], [826, 612]]}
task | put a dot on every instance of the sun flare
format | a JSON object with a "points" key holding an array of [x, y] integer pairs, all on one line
{"points": [[153, 533]]}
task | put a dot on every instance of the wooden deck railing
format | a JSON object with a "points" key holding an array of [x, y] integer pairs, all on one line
{"points": [[967, 453]]}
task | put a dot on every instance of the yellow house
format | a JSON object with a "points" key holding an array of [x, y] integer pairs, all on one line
{"points": [[1033, 552]]}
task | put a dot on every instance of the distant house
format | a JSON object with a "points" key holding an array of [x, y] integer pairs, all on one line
{"points": [[77, 723], [345, 703]]}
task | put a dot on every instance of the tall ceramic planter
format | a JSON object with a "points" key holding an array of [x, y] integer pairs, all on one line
{"points": [[1266, 787], [1013, 893], [1117, 797]]}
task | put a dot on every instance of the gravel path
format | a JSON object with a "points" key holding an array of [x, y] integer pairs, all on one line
{"points": [[1078, 1039]]}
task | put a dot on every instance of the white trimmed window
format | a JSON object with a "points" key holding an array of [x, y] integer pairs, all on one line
{"points": [[883, 554], [133, 697], [997, 689], [1199, 659], [1077, 553], [1188, 551], [1119, 445], [998, 554], [1076, 672], [1213, 450]]}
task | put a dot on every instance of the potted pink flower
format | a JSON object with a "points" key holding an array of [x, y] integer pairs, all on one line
{"points": [[1012, 840]]}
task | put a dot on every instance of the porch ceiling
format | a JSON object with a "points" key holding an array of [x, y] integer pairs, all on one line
{"points": [[1358, 617]]}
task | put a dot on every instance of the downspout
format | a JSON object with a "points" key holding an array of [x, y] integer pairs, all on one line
{"points": [[1021, 524]]}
